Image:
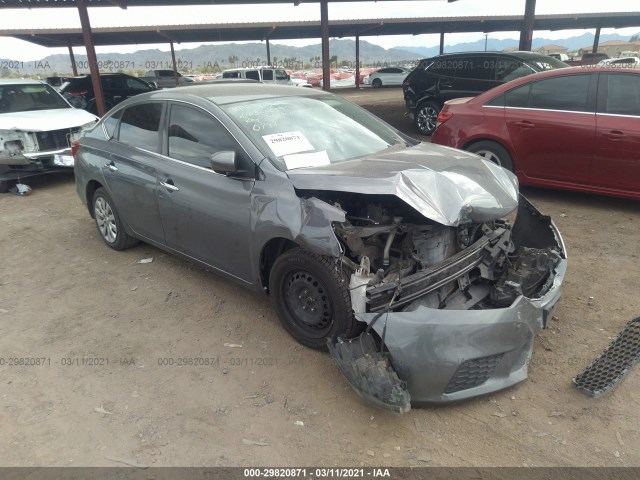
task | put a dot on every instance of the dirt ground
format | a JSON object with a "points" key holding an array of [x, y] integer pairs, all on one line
{"points": [[109, 333]]}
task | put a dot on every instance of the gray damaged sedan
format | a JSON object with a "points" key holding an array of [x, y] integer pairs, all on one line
{"points": [[420, 268]]}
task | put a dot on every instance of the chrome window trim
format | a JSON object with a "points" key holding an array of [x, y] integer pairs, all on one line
{"points": [[541, 109], [617, 115]]}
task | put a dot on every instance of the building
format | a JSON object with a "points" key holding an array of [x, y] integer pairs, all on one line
{"points": [[547, 49]]}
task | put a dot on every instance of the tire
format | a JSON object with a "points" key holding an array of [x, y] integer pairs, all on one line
{"points": [[426, 116], [494, 152], [109, 224], [311, 297], [377, 83]]}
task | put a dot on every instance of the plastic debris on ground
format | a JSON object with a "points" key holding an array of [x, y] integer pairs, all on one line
{"points": [[614, 363], [21, 189], [370, 373]]}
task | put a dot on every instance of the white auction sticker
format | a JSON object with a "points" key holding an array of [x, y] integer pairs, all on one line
{"points": [[302, 160], [287, 143]]}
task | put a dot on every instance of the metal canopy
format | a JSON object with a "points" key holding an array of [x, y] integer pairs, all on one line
{"points": [[229, 32], [154, 3]]}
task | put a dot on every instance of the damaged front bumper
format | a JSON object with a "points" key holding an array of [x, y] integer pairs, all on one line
{"points": [[442, 355]]}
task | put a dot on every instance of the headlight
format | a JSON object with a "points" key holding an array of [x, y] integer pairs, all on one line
{"points": [[12, 142], [14, 147]]}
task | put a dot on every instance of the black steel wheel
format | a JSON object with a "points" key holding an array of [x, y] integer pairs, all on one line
{"points": [[311, 296], [425, 117]]}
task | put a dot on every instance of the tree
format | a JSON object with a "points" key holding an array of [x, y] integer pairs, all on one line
{"points": [[635, 38]]}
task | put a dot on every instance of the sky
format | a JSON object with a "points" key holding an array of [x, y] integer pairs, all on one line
{"points": [[115, 17]]}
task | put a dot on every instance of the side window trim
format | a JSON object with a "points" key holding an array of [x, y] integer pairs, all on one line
{"points": [[165, 135], [163, 119]]}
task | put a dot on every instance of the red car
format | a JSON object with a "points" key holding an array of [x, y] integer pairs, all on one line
{"points": [[573, 128]]}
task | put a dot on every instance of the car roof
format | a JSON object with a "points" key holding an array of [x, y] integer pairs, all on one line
{"points": [[244, 69], [522, 55], [225, 93], [21, 81], [558, 72]]}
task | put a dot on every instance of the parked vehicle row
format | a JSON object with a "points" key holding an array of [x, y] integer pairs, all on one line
{"points": [[445, 77]]}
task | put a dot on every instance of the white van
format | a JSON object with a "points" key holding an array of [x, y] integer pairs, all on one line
{"points": [[262, 74], [276, 75]]}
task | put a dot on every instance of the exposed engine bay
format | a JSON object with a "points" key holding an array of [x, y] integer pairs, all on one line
{"points": [[400, 260]]}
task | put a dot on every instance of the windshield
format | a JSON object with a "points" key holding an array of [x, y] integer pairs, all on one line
{"points": [[298, 132], [27, 97]]}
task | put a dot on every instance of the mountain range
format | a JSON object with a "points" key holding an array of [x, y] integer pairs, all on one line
{"points": [[571, 43], [215, 57]]}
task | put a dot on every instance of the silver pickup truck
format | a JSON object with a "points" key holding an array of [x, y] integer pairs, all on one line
{"points": [[165, 78]]}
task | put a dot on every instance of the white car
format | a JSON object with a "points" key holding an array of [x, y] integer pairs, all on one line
{"points": [[385, 77], [37, 126]]}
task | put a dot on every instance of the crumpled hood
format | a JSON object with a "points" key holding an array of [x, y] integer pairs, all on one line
{"points": [[448, 186], [45, 120]]}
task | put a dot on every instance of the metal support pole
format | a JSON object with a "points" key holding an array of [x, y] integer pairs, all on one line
{"points": [[175, 67], [268, 53], [596, 41], [87, 37], [74, 67], [324, 26], [357, 61], [441, 43], [526, 34]]}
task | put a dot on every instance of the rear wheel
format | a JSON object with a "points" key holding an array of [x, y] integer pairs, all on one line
{"points": [[109, 223], [425, 117], [311, 296], [494, 152], [377, 83]]}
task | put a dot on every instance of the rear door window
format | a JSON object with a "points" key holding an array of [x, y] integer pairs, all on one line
{"points": [[140, 126], [476, 68], [623, 95], [252, 74], [569, 92], [267, 74]]}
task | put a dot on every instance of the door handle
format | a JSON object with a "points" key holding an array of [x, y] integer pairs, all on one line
{"points": [[525, 124], [616, 135], [169, 186], [111, 167]]}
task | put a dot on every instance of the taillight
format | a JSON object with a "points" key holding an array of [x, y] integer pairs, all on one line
{"points": [[74, 147], [443, 116], [78, 93]]}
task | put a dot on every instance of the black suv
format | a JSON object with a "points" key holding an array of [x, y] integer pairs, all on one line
{"points": [[454, 75], [115, 86]]}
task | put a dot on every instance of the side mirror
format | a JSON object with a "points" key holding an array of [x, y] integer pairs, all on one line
{"points": [[224, 162], [154, 85]]}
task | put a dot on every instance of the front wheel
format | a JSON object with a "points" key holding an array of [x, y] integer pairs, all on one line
{"points": [[310, 294], [425, 117], [377, 83], [109, 223], [493, 152]]}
